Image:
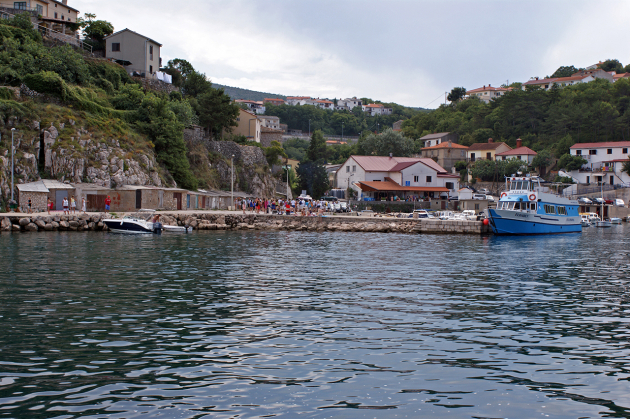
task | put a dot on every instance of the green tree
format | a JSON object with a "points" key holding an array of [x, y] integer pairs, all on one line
{"points": [[95, 31], [542, 159], [565, 71], [457, 94], [216, 112], [313, 178], [388, 142], [296, 148], [612, 65], [570, 162], [196, 84], [626, 166], [316, 151], [274, 152]]}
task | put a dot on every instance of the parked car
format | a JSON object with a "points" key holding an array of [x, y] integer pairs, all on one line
{"points": [[344, 206], [584, 200], [484, 191], [337, 206], [422, 213], [609, 201], [490, 198], [619, 203], [599, 201], [479, 196]]}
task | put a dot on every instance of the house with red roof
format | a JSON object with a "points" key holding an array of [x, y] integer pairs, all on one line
{"points": [[257, 107], [604, 162], [486, 151], [382, 178], [487, 93], [520, 152], [446, 154], [324, 104], [273, 101], [374, 109]]}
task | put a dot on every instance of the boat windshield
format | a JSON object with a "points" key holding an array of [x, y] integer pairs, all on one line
{"points": [[520, 185]]}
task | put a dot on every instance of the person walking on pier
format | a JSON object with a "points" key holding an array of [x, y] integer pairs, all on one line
{"points": [[49, 205], [108, 202], [65, 205], [83, 205]]}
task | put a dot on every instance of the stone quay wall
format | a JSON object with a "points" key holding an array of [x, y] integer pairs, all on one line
{"points": [[222, 221]]}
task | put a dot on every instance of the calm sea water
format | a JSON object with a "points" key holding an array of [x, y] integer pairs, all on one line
{"points": [[321, 325]]}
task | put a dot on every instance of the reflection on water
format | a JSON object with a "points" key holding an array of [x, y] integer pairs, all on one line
{"points": [[287, 324]]}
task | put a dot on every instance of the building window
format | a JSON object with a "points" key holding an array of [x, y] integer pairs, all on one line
{"points": [[19, 5], [151, 69], [477, 207], [472, 156], [489, 156], [624, 151], [40, 9], [609, 151], [592, 152], [56, 15], [63, 17], [347, 169], [578, 152], [354, 168], [428, 179], [116, 47], [588, 179], [150, 52], [450, 185], [416, 179]]}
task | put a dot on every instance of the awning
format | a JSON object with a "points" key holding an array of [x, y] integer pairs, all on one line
{"points": [[389, 186]]}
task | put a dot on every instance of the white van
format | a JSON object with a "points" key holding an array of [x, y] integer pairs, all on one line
{"points": [[619, 203]]}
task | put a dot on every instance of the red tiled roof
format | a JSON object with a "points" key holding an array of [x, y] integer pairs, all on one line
{"points": [[540, 81], [601, 145], [445, 145], [323, 101], [387, 164], [572, 78], [374, 105], [520, 151], [490, 89], [403, 165], [389, 185], [298, 97], [485, 146]]}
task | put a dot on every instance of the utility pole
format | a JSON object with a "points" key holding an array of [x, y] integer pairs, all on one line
{"points": [[232, 205], [12, 162]]}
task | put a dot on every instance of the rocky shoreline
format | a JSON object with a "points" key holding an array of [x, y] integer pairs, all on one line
{"points": [[218, 221]]}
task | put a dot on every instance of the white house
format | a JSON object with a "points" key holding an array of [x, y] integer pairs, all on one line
{"points": [[268, 121], [136, 52], [376, 109], [521, 152], [298, 100], [487, 93], [257, 107], [604, 162], [324, 104], [348, 104], [376, 177]]}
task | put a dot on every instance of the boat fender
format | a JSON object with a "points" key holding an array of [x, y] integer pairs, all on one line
{"points": [[532, 197], [503, 195]]}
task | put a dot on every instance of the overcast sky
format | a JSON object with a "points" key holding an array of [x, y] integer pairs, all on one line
{"points": [[404, 51]]}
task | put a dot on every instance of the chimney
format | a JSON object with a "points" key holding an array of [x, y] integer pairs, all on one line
{"points": [[450, 143], [489, 85], [391, 155], [490, 140], [519, 143]]}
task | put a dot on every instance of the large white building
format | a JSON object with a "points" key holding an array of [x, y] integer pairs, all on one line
{"points": [[348, 104], [378, 178], [604, 162]]}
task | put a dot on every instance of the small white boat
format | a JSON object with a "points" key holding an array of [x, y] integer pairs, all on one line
{"points": [[603, 223], [132, 225], [176, 229], [615, 220]]}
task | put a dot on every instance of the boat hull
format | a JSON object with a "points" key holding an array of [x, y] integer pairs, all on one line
{"points": [[511, 223], [129, 227]]}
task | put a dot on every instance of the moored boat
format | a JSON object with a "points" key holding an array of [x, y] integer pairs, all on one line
{"points": [[615, 220], [526, 209], [603, 223], [133, 225]]}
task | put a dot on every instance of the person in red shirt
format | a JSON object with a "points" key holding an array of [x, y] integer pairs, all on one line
{"points": [[108, 202]]}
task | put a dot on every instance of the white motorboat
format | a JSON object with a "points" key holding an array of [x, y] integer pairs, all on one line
{"points": [[603, 223], [133, 225], [615, 220], [585, 221]]}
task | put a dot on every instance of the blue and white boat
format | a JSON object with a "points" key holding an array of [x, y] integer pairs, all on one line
{"points": [[525, 208]]}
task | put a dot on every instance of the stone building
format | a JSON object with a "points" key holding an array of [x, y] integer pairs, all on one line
{"points": [[40, 191], [267, 135]]}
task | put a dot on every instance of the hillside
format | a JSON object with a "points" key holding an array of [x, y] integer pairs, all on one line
{"points": [[238, 93], [82, 119]]}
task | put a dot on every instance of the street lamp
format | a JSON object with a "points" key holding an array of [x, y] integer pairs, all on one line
{"points": [[12, 163], [232, 183]]}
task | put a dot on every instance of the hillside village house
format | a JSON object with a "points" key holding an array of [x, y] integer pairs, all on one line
{"points": [[298, 100], [268, 121], [584, 76], [430, 140], [249, 125], [604, 162], [324, 104], [137, 53], [487, 93], [521, 152], [273, 101], [374, 109], [254, 106], [486, 151], [382, 178], [52, 14], [445, 154], [348, 104]]}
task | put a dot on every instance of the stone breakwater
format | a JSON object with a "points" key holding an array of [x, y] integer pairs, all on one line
{"points": [[215, 221]]}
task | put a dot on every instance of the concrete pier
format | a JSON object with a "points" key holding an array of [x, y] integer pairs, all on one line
{"points": [[226, 220]]}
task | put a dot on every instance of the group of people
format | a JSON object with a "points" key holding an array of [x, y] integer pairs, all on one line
{"points": [[69, 205], [298, 206]]}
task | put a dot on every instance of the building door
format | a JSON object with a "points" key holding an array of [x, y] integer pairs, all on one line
{"points": [[59, 195], [178, 198], [96, 203], [138, 198], [160, 199], [489, 156], [588, 180], [472, 156], [612, 182], [444, 204]]}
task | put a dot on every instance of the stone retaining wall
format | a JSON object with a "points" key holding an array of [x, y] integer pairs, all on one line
{"points": [[218, 221]]}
